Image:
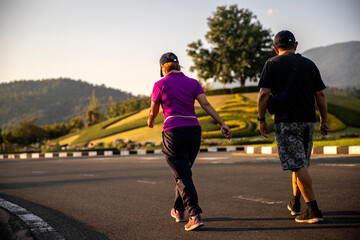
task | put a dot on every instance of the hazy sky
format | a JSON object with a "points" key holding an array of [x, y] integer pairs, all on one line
{"points": [[119, 43]]}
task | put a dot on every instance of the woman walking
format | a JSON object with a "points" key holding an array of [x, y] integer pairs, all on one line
{"points": [[176, 93]]}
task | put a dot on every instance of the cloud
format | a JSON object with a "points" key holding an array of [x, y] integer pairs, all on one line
{"points": [[271, 11]]}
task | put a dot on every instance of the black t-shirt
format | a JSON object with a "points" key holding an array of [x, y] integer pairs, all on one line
{"points": [[300, 97]]}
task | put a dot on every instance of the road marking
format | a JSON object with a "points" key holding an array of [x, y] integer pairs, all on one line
{"points": [[86, 175], [151, 158], [36, 225], [212, 158], [337, 165], [146, 182], [229, 163], [260, 200]]}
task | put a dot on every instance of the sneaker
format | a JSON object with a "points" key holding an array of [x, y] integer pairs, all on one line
{"points": [[294, 208], [179, 216], [194, 222], [310, 217]]}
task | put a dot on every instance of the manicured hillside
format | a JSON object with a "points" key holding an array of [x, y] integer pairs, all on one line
{"points": [[239, 111]]}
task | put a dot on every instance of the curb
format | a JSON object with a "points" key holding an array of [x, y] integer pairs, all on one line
{"points": [[104, 153], [327, 150], [36, 228]]}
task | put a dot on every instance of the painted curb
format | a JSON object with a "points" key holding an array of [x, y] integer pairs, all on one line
{"points": [[327, 150], [105, 153], [37, 226]]}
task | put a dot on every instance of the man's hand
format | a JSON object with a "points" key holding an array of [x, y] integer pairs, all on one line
{"points": [[264, 129], [324, 128]]}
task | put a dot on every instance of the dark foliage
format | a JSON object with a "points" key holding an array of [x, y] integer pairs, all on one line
{"points": [[50, 101]]}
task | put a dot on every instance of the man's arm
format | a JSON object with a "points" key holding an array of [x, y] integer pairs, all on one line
{"points": [[153, 112], [322, 106], [264, 95]]}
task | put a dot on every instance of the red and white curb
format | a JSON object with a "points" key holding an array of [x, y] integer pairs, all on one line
{"points": [[104, 153], [38, 227], [328, 150]]}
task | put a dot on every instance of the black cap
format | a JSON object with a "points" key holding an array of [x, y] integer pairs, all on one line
{"points": [[167, 57], [284, 38]]}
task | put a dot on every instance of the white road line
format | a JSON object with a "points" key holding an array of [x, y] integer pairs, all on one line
{"points": [[146, 182], [211, 158], [151, 158], [35, 224], [260, 200], [229, 163], [337, 165], [86, 175]]}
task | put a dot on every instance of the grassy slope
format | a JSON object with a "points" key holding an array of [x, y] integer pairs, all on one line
{"points": [[143, 133]]}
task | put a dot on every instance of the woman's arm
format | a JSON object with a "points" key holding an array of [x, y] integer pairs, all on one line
{"points": [[201, 98], [153, 112]]}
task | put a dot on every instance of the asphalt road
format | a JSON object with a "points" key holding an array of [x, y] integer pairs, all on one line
{"points": [[242, 196]]}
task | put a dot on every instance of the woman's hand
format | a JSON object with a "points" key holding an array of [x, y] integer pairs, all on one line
{"points": [[150, 123], [225, 130]]}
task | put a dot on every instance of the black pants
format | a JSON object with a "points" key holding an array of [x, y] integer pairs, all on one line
{"points": [[181, 146]]}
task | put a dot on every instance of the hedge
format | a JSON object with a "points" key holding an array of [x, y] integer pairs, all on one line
{"points": [[348, 116], [221, 91]]}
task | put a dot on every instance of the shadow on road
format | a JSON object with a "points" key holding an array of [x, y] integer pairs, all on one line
{"points": [[333, 220]]}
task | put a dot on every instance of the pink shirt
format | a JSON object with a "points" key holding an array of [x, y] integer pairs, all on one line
{"points": [[177, 93]]}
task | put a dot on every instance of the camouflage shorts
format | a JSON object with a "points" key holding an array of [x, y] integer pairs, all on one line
{"points": [[294, 142]]}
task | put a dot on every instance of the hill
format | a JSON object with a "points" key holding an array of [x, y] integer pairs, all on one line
{"points": [[50, 101], [338, 63], [239, 111]]}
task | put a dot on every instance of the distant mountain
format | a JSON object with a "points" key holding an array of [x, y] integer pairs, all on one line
{"points": [[50, 101], [339, 64]]}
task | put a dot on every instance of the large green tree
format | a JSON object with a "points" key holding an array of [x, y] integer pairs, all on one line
{"points": [[238, 47]]}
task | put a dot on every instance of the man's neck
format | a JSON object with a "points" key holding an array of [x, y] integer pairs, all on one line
{"points": [[282, 52]]}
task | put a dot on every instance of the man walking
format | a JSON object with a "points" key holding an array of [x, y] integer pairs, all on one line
{"points": [[295, 118]]}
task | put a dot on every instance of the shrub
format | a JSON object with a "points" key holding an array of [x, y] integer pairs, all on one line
{"points": [[346, 115], [221, 91]]}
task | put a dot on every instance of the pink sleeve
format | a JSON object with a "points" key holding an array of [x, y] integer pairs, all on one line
{"points": [[155, 96], [200, 90]]}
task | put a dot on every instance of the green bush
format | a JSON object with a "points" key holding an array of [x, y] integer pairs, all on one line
{"points": [[348, 116], [222, 91]]}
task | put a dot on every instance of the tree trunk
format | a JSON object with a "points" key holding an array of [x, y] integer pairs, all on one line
{"points": [[242, 81]]}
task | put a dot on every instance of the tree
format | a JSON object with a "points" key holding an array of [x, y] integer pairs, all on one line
{"points": [[239, 47], [93, 113], [56, 130], [27, 133], [77, 122], [112, 108]]}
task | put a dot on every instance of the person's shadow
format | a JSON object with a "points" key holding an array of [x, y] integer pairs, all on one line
{"points": [[338, 220]]}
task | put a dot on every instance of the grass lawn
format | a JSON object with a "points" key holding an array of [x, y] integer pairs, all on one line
{"points": [[238, 110]]}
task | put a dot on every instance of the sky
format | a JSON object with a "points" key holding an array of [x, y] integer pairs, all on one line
{"points": [[118, 43]]}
